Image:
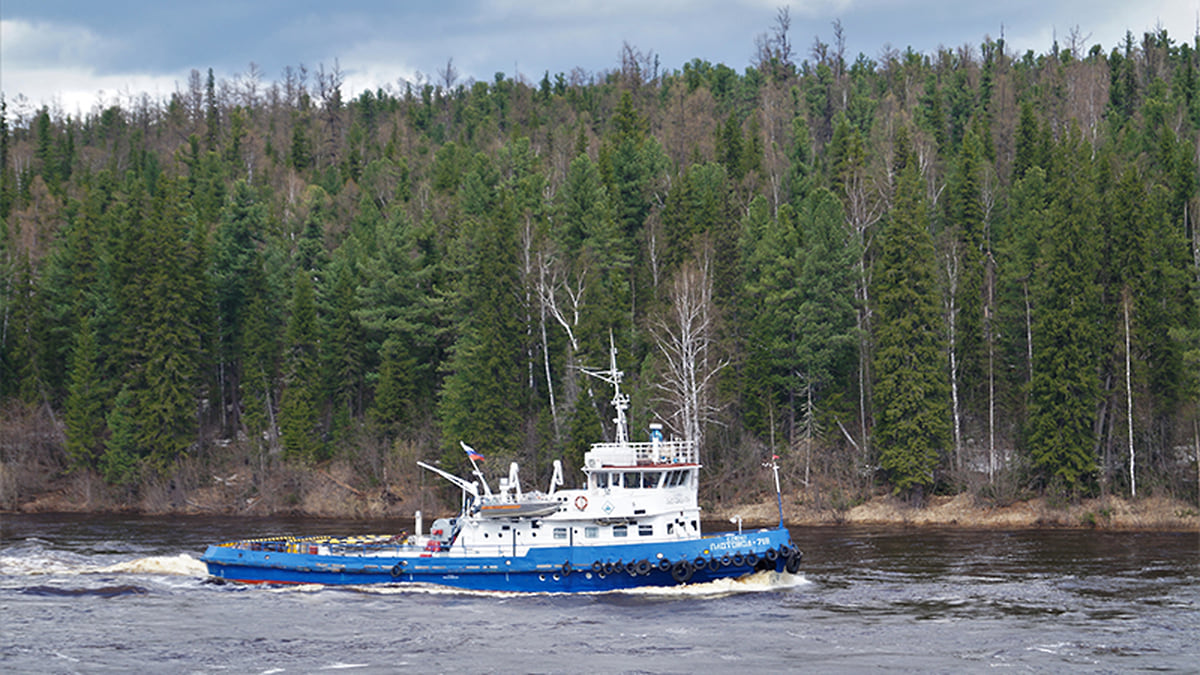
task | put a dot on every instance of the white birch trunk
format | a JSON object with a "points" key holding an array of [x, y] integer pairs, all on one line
{"points": [[1129, 400]]}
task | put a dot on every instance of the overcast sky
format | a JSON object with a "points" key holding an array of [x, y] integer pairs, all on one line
{"points": [[74, 54]]}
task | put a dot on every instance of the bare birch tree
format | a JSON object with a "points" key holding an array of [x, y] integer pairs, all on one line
{"points": [[684, 335]]}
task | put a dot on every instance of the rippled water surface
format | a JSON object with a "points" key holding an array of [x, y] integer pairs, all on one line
{"points": [[104, 594]]}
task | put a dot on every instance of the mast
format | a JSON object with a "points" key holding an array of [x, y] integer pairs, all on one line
{"points": [[620, 402]]}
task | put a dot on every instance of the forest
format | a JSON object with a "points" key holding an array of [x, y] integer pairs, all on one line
{"points": [[969, 271]]}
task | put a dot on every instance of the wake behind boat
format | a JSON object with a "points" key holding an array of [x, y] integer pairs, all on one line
{"points": [[636, 522]]}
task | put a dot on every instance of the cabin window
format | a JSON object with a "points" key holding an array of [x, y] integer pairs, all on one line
{"points": [[591, 532], [670, 528], [560, 533], [645, 530], [683, 477], [620, 531]]}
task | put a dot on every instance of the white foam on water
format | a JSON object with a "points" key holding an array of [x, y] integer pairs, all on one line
{"points": [[66, 564], [179, 565], [758, 582], [43, 564]]}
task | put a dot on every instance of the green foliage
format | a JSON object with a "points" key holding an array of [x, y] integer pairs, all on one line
{"points": [[911, 402], [1064, 391], [439, 262], [84, 407], [298, 405]]}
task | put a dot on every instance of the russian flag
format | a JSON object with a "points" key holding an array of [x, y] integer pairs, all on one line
{"points": [[471, 454]]}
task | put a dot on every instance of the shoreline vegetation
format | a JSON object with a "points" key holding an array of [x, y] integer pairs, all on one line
{"points": [[322, 494]]}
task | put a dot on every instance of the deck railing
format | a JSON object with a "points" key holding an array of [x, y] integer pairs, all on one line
{"points": [[653, 452]]}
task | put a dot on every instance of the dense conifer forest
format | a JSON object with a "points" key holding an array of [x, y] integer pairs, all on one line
{"points": [[965, 271]]}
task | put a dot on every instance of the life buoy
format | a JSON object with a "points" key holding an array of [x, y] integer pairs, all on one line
{"points": [[581, 502]]}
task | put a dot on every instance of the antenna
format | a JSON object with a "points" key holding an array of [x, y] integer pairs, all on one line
{"points": [[620, 401], [774, 464]]}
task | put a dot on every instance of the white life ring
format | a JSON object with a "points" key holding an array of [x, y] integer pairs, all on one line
{"points": [[581, 502]]}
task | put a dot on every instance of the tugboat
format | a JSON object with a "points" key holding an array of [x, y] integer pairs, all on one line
{"points": [[635, 523]]}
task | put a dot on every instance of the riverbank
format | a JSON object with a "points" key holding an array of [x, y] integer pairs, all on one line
{"points": [[964, 510], [325, 494]]}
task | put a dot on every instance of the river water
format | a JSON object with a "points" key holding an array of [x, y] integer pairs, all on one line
{"points": [[120, 594]]}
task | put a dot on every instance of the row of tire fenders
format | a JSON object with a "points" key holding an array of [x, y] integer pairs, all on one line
{"points": [[681, 570]]}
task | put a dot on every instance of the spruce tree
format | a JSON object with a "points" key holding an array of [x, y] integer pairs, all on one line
{"points": [[299, 405], [478, 402], [1065, 389], [236, 273], [912, 416], [83, 413]]}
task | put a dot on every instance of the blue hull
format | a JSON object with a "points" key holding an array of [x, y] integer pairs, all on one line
{"points": [[558, 569]]}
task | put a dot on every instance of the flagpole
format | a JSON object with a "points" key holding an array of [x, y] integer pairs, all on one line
{"points": [[778, 493], [471, 453]]}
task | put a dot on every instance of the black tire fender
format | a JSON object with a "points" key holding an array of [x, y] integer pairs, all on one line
{"points": [[681, 572]]}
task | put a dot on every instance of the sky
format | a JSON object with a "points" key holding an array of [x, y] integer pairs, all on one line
{"points": [[76, 55]]}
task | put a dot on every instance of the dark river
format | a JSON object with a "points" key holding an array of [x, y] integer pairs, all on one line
{"points": [[121, 594]]}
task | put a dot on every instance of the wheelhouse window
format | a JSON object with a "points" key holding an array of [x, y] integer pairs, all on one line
{"points": [[633, 480]]}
